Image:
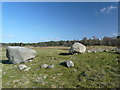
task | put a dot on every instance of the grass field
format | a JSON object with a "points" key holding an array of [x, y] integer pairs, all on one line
{"points": [[91, 70]]}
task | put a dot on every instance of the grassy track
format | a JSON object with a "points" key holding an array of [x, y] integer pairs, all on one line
{"points": [[91, 70]]}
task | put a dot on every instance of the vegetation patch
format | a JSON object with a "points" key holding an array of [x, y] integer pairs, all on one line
{"points": [[91, 70]]}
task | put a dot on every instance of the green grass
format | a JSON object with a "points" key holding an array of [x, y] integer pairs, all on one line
{"points": [[91, 70]]}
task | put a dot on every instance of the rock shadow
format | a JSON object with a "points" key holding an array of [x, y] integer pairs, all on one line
{"points": [[5, 62], [64, 54], [116, 52], [63, 64]]}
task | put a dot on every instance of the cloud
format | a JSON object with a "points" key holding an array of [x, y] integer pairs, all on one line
{"points": [[114, 34], [108, 9], [7, 36], [48, 39], [102, 10], [10, 36]]}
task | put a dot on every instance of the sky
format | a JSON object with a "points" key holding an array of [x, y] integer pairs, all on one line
{"points": [[31, 22]]}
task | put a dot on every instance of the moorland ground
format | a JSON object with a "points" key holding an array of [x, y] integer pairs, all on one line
{"points": [[91, 70]]}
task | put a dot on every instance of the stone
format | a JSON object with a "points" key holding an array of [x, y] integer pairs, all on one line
{"points": [[51, 66], [77, 48], [89, 51], [4, 72], [22, 67], [94, 51], [27, 69], [39, 80], [102, 50], [17, 54], [44, 66], [69, 63], [53, 58], [114, 49], [47, 66], [7, 83], [74, 70], [98, 50], [30, 60], [45, 76]]}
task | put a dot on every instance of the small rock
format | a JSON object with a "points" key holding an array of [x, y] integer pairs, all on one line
{"points": [[51, 66], [100, 50], [15, 81], [94, 51], [39, 80], [7, 83], [15, 86], [4, 72], [11, 76], [69, 63], [74, 70], [53, 58], [59, 74], [26, 69], [89, 51], [30, 60], [115, 49], [53, 86], [76, 53], [45, 76], [15, 66], [53, 77], [22, 67], [44, 66]]}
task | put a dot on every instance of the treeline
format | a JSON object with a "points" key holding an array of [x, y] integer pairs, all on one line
{"points": [[106, 41]]}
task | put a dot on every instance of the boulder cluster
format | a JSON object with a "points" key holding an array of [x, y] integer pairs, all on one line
{"points": [[18, 55]]}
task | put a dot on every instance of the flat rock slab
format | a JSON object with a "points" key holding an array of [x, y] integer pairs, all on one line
{"points": [[17, 54]]}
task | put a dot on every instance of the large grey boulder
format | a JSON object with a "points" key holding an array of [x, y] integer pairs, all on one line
{"points": [[17, 54], [77, 48]]}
